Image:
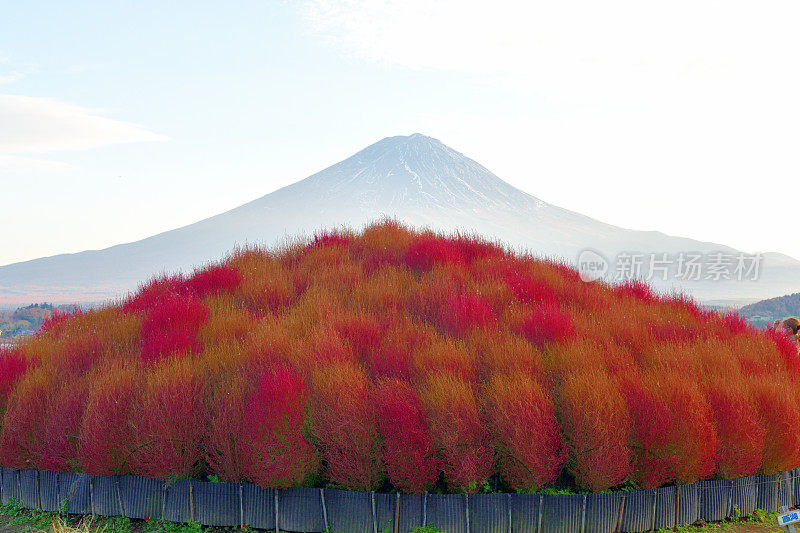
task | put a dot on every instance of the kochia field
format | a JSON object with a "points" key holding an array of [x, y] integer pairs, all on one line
{"points": [[398, 360]]}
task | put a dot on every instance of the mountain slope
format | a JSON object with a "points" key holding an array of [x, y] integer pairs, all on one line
{"points": [[414, 178], [765, 312]]}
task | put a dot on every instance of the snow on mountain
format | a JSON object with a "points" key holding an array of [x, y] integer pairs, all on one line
{"points": [[415, 179]]}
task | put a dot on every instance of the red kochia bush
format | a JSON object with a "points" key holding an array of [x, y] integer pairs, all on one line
{"points": [[787, 344], [465, 311], [329, 238], [12, 366], [396, 359], [171, 327], [692, 432], [652, 421], [363, 331], [595, 420], [409, 456], [153, 292], [528, 440], [343, 422], [165, 448], [214, 279], [780, 416], [427, 250], [546, 325], [736, 421], [458, 431], [529, 289], [276, 452], [108, 437], [224, 442], [57, 318], [21, 438], [61, 428]]}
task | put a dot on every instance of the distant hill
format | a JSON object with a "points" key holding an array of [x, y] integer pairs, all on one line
{"points": [[768, 311]]}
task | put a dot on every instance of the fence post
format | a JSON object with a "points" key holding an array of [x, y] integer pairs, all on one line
{"points": [[119, 498], [466, 505], [277, 526], [425, 509], [324, 508], [583, 515], [621, 510], [677, 504], [374, 515], [91, 494], [191, 501], [655, 502], [730, 498], [241, 506], [397, 514], [539, 521], [757, 483], [509, 512]]}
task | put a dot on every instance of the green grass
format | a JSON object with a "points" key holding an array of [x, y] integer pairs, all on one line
{"points": [[36, 520]]}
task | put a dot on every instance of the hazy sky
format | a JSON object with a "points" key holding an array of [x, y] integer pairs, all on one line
{"points": [[122, 119]]}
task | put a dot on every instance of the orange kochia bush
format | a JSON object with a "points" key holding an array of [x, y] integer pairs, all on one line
{"points": [[396, 359]]}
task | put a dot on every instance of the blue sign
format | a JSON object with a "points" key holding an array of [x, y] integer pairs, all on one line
{"points": [[789, 518]]}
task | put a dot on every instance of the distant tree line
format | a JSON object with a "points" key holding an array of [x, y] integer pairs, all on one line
{"points": [[767, 311], [25, 320]]}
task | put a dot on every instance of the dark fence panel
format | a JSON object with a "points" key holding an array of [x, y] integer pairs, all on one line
{"points": [[259, 506], [300, 510], [638, 512], [177, 501], [688, 497], [446, 513], [525, 510], [714, 499], [794, 475], [561, 513], [48, 491], [786, 496], [385, 511], [489, 513], [104, 495], [10, 484], [141, 497], [743, 496], [349, 511], [602, 512], [314, 510], [29, 488], [412, 511], [217, 504], [767, 492], [74, 489], [665, 507]]}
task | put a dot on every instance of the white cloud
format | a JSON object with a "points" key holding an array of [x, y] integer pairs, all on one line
{"points": [[11, 78], [18, 163], [41, 125], [581, 49]]}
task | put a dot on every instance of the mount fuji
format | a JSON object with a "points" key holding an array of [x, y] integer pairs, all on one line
{"points": [[415, 179]]}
